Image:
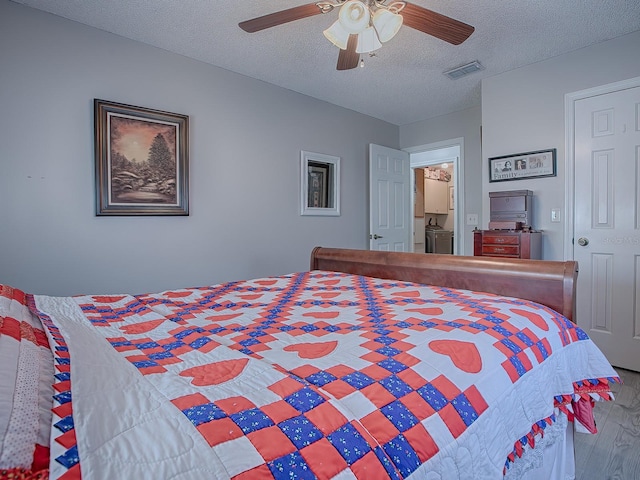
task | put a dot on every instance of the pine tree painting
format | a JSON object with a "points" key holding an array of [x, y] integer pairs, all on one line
{"points": [[143, 161]]}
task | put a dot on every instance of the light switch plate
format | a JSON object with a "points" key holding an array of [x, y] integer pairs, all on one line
{"points": [[555, 215], [472, 219]]}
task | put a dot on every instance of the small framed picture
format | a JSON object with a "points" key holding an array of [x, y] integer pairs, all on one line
{"points": [[319, 184], [141, 160], [541, 163]]}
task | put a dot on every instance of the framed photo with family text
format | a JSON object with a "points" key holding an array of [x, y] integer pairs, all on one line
{"points": [[541, 163]]}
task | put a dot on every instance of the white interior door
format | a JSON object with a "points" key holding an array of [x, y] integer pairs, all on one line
{"points": [[607, 219], [390, 194]]}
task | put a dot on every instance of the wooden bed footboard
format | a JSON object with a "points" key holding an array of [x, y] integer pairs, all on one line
{"points": [[551, 283]]}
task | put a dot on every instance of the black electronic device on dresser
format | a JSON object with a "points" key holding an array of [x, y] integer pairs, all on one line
{"points": [[510, 232]]}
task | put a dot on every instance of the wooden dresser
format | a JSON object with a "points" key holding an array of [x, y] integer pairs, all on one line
{"points": [[507, 243]]}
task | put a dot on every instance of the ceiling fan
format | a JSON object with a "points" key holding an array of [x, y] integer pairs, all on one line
{"points": [[364, 25]]}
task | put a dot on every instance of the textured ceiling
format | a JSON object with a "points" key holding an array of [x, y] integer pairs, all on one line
{"points": [[402, 84]]}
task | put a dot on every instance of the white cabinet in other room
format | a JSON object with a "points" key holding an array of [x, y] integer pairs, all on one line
{"points": [[436, 196]]}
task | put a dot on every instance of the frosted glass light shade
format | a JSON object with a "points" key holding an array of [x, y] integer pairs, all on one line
{"points": [[354, 16], [386, 24], [368, 41], [337, 35]]}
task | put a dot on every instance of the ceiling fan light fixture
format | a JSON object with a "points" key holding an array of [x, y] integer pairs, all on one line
{"points": [[368, 41], [354, 16], [387, 24], [337, 35]]}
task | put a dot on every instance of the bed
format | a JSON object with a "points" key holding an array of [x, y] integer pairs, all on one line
{"points": [[369, 365]]}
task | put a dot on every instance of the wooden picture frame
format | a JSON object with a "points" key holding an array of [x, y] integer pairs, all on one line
{"points": [[541, 163], [141, 160], [319, 184]]}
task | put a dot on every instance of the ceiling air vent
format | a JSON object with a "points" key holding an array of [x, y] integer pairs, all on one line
{"points": [[464, 70]]}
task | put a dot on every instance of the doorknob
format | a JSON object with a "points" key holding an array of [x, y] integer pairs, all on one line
{"points": [[375, 236], [583, 242]]}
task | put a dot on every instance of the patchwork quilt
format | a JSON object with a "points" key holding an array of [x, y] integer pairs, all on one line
{"points": [[309, 375], [26, 377]]}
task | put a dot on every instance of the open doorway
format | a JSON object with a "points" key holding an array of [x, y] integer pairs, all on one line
{"points": [[437, 214]]}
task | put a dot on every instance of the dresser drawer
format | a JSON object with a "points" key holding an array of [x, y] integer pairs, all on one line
{"points": [[516, 244], [500, 239], [502, 250]]}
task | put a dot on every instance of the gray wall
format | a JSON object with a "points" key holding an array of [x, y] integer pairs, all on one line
{"points": [[246, 138], [523, 110], [464, 124]]}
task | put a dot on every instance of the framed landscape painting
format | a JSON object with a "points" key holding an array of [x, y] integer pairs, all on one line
{"points": [[141, 160]]}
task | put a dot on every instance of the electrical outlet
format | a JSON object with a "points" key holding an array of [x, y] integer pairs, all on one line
{"points": [[472, 219], [555, 215]]}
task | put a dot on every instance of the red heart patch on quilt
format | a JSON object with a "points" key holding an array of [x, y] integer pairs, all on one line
{"points": [[215, 373], [534, 318], [312, 350], [141, 327], [411, 294], [326, 294], [321, 314], [177, 294], [250, 296], [223, 318], [107, 299], [429, 311], [464, 355]]}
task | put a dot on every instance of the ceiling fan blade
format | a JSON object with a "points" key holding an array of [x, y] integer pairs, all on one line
{"points": [[278, 18], [435, 24], [348, 58]]}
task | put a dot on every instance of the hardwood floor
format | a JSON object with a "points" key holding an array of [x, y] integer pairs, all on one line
{"points": [[614, 452]]}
